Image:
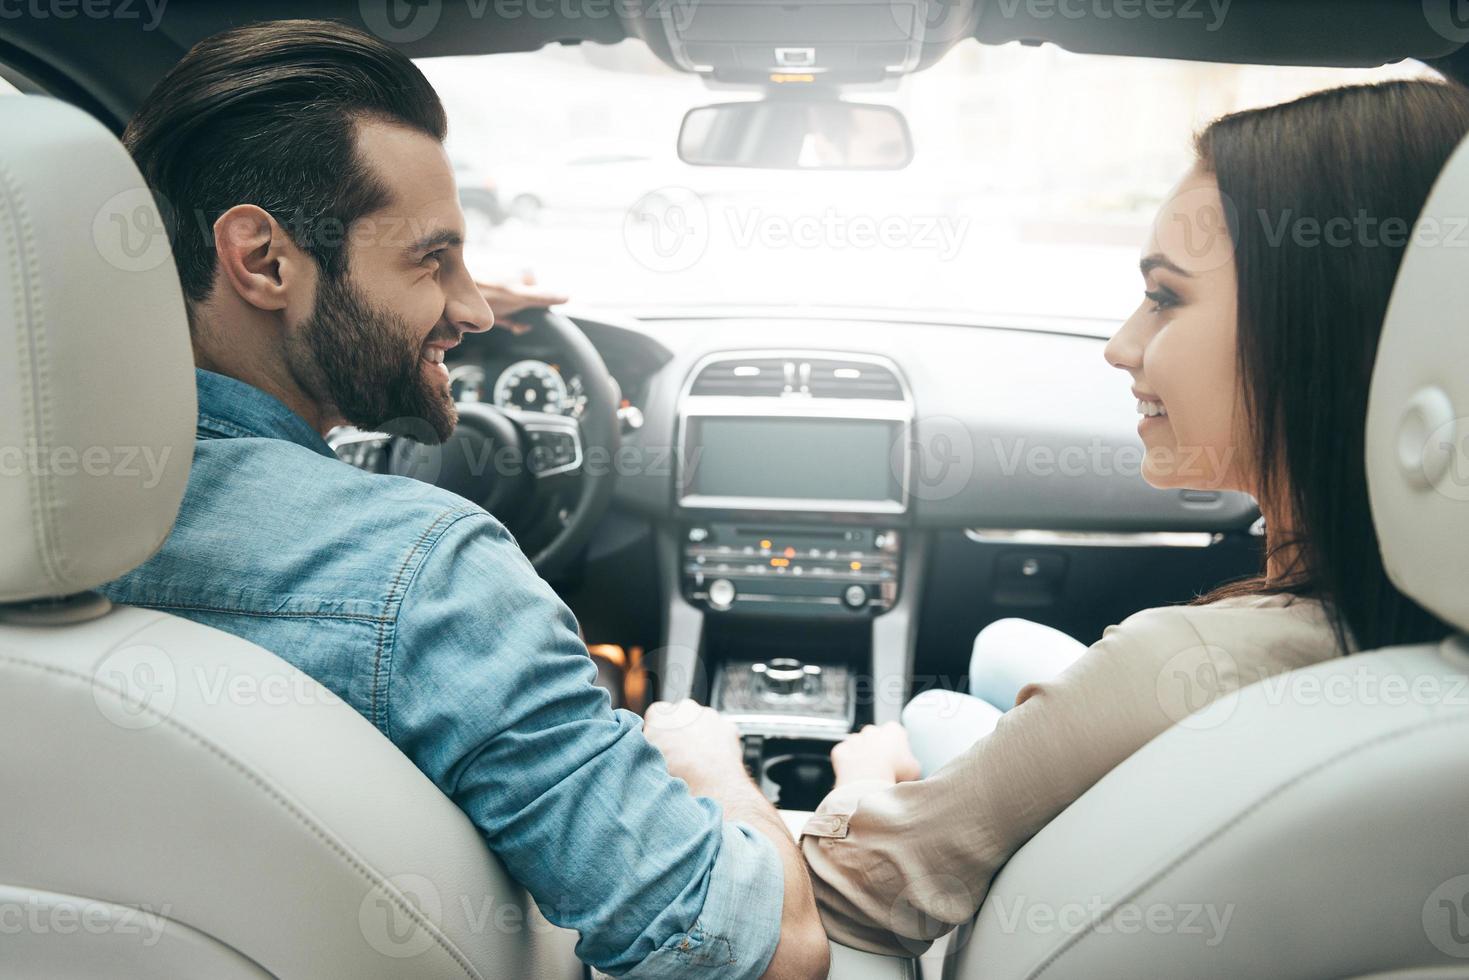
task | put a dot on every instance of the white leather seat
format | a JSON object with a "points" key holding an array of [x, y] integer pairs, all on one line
{"points": [[176, 802], [1316, 824]]}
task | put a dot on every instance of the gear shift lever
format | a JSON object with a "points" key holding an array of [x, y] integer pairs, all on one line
{"points": [[786, 677]]}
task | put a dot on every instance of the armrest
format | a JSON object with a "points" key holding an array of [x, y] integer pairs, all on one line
{"points": [[855, 964]]}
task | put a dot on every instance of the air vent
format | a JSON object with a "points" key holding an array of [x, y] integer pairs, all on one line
{"points": [[852, 379], [798, 375], [754, 376]]}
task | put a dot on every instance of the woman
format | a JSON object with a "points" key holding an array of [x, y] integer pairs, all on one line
{"points": [[1266, 280]]}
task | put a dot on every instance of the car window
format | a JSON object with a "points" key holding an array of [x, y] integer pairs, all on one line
{"points": [[1036, 173]]}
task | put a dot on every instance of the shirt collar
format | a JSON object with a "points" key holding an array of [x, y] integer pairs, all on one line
{"points": [[231, 409]]}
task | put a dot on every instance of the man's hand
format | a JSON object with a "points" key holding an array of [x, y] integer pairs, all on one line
{"points": [[509, 298], [703, 749], [701, 745], [878, 752]]}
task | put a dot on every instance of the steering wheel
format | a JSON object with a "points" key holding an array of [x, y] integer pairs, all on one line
{"points": [[503, 459]]}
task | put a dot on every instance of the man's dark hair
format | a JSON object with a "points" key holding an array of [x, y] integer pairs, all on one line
{"points": [[266, 114]]}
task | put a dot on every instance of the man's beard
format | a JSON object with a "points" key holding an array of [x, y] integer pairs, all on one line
{"points": [[365, 360]]}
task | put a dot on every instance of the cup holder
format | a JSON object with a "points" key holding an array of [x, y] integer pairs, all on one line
{"points": [[798, 781]]}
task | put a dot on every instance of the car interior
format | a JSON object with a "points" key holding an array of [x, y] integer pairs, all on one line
{"points": [[798, 506]]}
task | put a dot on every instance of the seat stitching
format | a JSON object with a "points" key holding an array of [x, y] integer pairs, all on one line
{"points": [[275, 795], [288, 614], [1214, 836], [31, 371]]}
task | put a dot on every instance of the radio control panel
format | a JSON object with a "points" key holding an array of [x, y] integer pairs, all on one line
{"points": [[791, 569]]}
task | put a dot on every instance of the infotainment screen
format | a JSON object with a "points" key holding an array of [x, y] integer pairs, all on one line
{"points": [[793, 459]]}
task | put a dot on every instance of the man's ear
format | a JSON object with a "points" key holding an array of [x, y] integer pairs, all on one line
{"points": [[257, 259]]}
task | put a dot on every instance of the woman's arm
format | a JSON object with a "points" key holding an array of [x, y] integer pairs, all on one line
{"points": [[896, 866]]}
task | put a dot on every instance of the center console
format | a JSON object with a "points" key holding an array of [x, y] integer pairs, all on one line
{"points": [[791, 577]]}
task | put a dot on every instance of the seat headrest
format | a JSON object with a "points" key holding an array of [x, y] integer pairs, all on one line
{"points": [[97, 408], [1418, 407]]}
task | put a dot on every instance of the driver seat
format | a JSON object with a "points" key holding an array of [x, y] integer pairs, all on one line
{"points": [[177, 801], [1310, 825]]}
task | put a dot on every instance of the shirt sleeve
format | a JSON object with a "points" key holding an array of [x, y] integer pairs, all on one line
{"points": [[895, 867], [491, 693]]}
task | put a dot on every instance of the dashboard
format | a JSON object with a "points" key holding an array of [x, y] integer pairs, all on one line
{"points": [[992, 446]]}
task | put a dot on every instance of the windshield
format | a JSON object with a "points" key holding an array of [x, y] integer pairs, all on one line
{"points": [[1035, 175]]}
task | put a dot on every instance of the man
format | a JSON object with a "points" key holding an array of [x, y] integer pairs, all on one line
{"points": [[318, 237]]}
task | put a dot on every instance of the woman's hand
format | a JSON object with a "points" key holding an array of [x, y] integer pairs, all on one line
{"points": [[877, 752]]}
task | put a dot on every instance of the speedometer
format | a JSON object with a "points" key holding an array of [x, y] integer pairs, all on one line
{"points": [[531, 386]]}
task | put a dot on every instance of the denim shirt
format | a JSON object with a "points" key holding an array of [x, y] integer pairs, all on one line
{"points": [[417, 608]]}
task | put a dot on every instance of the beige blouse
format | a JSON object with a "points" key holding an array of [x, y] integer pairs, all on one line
{"points": [[895, 867]]}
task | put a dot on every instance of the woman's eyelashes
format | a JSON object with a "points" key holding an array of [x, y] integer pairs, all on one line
{"points": [[1162, 299]]}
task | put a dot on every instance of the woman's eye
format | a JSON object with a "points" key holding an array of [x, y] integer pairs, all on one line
{"points": [[1162, 299]]}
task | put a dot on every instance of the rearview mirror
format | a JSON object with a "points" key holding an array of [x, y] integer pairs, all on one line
{"points": [[796, 134]]}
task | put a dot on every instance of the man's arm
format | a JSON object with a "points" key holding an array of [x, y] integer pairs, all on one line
{"points": [[703, 749], [485, 685]]}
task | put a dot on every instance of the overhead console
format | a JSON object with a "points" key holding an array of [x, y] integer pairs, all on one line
{"points": [[830, 41]]}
